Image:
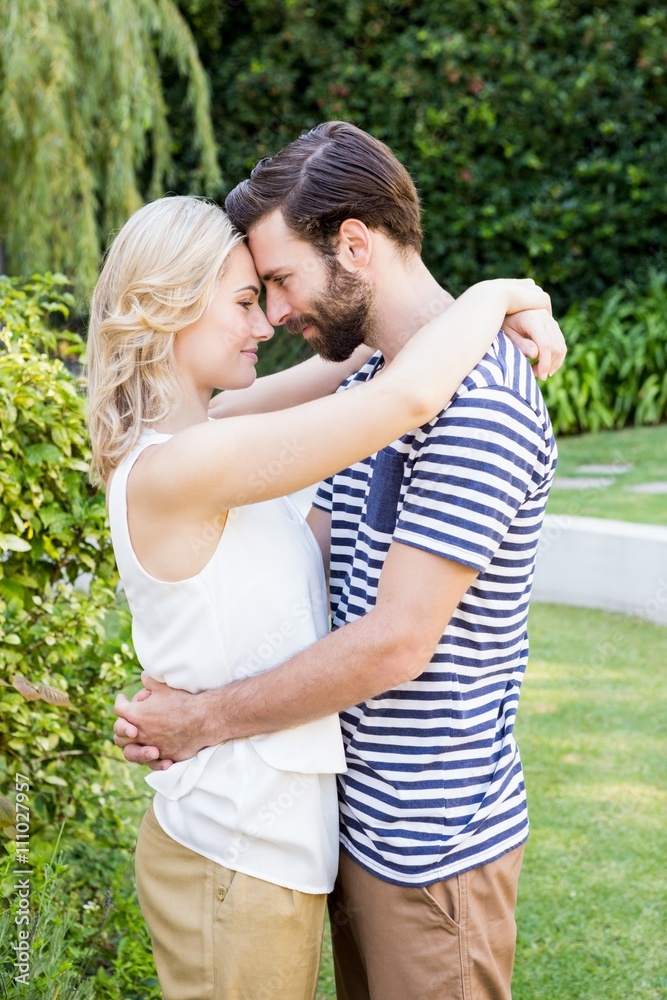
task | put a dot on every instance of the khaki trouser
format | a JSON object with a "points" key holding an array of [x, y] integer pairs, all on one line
{"points": [[222, 935], [454, 940]]}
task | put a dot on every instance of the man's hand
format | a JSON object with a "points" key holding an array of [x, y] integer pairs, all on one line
{"points": [[160, 725], [537, 335]]}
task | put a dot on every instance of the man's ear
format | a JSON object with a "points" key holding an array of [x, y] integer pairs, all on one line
{"points": [[355, 244]]}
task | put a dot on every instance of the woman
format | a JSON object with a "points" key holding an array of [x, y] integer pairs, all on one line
{"points": [[224, 579]]}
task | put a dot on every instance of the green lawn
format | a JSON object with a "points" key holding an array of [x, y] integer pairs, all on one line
{"points": [[645, 448], [593, 735]]}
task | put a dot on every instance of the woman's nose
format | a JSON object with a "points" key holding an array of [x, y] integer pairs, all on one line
{"points": [[263, 330]]}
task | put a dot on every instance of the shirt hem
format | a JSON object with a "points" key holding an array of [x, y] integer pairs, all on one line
{"points": [[242, 869], [442, 877]]}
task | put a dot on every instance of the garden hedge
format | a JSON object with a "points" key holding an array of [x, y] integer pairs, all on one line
{"points": [[536, 130]]}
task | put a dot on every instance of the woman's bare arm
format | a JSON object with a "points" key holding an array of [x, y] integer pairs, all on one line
{"points": [[301, 383], [220, 464]]}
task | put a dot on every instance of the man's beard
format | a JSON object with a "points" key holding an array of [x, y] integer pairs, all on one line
{"points": [[345, 315]]}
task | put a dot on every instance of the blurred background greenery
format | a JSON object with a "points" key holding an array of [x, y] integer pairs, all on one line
{"points": [[536, 133], [534, 129]]}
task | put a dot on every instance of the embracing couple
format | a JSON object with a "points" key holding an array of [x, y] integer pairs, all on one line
{"points": [[434, 463]]}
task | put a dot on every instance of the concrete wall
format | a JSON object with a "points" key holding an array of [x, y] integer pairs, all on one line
{"points": [[596, 563]]}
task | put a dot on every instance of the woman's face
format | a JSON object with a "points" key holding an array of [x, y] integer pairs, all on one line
{"points": [[219, 351]]}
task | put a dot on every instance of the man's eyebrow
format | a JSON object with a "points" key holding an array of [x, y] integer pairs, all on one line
{"points": [[246, 288]]}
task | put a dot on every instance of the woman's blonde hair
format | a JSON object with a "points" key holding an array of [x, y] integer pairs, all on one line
{"points": [[159, 275]]}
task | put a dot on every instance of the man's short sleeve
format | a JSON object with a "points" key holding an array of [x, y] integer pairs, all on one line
{"points": [[470, 474], [323, 499]]}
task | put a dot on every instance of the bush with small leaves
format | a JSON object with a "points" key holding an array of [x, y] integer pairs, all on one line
{"points": [[64, 639], [65, 648]]}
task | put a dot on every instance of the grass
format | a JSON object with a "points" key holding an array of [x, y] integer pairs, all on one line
{"points": [[593, 737], [645, 448]]}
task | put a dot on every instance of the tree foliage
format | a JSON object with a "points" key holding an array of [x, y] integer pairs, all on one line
{"points": [[86, 131], [536, 130]]}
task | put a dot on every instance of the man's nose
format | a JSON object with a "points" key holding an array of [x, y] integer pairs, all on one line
{"points": [[278, 308]]}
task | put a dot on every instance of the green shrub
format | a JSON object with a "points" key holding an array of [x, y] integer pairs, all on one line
{"points": [[46, 969], [536, 130], [60, 659], [87, 937], [65, 645], [615, 372]]}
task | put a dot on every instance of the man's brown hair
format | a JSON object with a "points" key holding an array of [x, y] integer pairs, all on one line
{"points": [[332, 173]]}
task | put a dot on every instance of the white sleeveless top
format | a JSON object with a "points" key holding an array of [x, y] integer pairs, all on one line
{"points": [[265, 806]]}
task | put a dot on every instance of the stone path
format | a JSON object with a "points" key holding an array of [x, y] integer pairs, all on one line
{"points": [[660, 487], [599, 477], [604, 470], [581, 483]]}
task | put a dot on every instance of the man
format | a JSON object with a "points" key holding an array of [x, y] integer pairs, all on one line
{"points": [[432, 544]]}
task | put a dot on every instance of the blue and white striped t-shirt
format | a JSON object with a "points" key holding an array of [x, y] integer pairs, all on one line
{"points": [[434, 783]]}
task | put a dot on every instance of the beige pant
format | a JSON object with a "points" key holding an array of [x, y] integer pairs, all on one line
{"points": [[221, 935], [454, 940]]}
